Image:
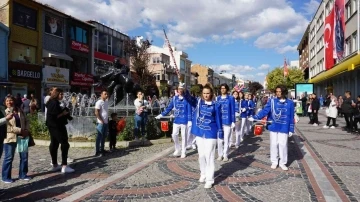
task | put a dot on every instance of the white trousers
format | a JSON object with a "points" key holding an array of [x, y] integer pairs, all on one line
{"points": [[223, 150], [248, 125], [175, 137], [190, 137], [206, 150], [243, 127], [278, 148], [238, 133]]}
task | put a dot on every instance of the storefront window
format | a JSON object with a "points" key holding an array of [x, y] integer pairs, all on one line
{"points": [[24, 16], [80, 64], [103, 42], [78, 34], [23, 53]]}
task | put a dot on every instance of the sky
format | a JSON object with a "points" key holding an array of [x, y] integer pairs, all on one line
{"points": [[247, 38]]}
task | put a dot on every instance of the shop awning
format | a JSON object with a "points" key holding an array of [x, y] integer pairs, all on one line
{"points": [[347, 65], [52, 54]]}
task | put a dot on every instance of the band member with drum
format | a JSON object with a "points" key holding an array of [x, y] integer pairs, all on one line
{"points": [[281, 115], [183, 115]]}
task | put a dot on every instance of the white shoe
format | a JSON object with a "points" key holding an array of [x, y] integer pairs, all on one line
{"points": [[188, 147], [284, 167], [274, 166], [70, 160], [183, 156], [241, 140], [193, 147], [202, 179], [326, 127], [219, 158], [67, 169], [225, 159], [177, 153], [56, 168], [332, 127], [315, 124], [237, 147], [208, 185]]}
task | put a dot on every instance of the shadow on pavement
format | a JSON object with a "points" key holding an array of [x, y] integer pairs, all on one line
{"points": [[82, 166]]}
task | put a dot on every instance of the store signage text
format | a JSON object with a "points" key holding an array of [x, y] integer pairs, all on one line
{"points": [[30, 74], [81, 79], [56, 75], [79, 46]]}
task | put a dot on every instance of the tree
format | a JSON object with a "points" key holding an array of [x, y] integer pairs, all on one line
{"points": [[195, 89], [139, 60], [276, 77], [254, 87]]}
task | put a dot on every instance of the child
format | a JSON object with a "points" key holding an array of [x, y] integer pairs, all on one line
{"points": [[113, 131]]}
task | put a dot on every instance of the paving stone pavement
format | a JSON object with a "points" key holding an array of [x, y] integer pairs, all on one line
{"points": [[246, 177]]}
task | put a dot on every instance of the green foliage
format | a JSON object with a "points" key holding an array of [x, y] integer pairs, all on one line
{"points": [[195, 89], [38, 129], [276, 77], [128, 133], [254, 87]]}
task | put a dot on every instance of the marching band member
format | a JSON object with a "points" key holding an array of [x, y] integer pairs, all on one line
{"points": [[208, 128], [182, 114], [281, 112], [251, 112], [227, 104], [243, 116], [191, 137], [236, 132]]}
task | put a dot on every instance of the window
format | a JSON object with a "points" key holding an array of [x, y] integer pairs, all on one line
{"points": [[79, 34], [24, 16], [354, 42], [348, 9], [117, 47], [354, 5], [157, 76], [96, 37], [347, 46], [103, 42]]}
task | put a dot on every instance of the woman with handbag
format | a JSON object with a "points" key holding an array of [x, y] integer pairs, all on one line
{"points": [[331, 112], [141, 114], [17, 138]]}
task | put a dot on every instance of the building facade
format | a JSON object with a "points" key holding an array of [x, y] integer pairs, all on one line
{"points": [[344, 75], [303, 49], [4, 84], [80, 48], [25, 45], [206, 74], [108, 46]]}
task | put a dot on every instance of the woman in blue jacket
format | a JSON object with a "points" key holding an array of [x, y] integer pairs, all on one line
{"points": [[227, 104], [207, 128], [183, 115], [250, 112], [281, 114], [243, 117], [236, 132]]}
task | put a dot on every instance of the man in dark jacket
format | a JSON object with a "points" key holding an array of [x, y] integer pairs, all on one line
{"points": [[347, 108], [315, 106], [303, 105]]}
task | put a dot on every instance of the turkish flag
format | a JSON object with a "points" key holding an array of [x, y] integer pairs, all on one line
{"points": [[329, 40]]}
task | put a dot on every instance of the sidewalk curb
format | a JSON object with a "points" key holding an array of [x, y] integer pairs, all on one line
{"points": [[118, 143]]}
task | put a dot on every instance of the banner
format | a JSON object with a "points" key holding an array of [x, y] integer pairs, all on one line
{"points": [[329, 40], [53, 26], [340, 28], [55, 75]]}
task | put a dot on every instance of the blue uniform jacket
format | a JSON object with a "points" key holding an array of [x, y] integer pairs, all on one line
{"points": [[207, 121], [243, 105], [182, 110], [227, 109], [251, 108], [281, 115]]}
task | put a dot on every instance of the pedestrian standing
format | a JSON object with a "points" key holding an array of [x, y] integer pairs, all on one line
{"points": [[101, 113], [182, 121], [250, 112], [25, 106], [113, 131], [227, 104], [282, 113], [141, 114], [56, 120], [236, 132], [331, 112], [243, 115], [315, 106], [347, 108], [357, 115], [208, 129]]}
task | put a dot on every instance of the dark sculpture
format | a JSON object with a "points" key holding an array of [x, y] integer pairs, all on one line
{"points": [[117, 82]]}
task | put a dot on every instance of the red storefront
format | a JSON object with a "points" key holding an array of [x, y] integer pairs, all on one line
{"points": [[83, 81]]}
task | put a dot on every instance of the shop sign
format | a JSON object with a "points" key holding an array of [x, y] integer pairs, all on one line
{"points": [[27, 74], [79, 46], [80, 79], [56, 75]]}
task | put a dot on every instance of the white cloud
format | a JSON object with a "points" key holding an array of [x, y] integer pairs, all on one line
{"points": [[311, 7], [285, 49], [260, 74], [191, 22], [264, 66]]}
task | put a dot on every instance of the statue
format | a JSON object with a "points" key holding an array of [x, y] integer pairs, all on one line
{"points": [[117, 82]]}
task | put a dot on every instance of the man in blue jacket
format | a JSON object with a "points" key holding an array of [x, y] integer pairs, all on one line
{"points": [[183, 119], [280, 111]]}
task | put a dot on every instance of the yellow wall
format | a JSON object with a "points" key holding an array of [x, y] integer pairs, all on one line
{"points": [[26, 36]]}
